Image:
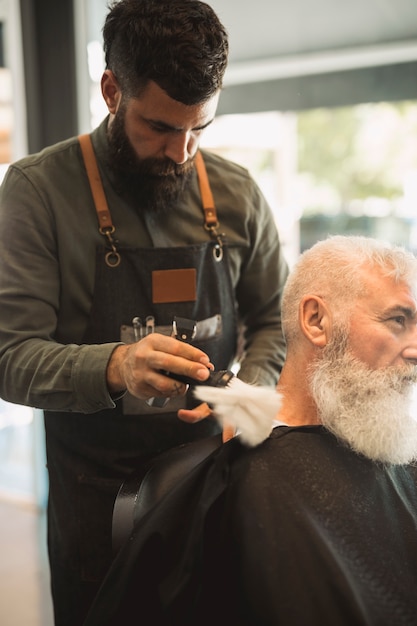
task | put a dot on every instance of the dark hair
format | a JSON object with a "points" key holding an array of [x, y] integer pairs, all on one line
{"points": [[179, 44]]}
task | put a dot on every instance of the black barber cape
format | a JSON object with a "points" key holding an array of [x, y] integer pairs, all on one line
{"points": [[297, 531]]}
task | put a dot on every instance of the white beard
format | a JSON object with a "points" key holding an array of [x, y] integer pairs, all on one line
{"points": [[370, 410]]}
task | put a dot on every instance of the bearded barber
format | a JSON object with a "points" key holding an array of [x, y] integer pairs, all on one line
{"points": [[105, 239]]}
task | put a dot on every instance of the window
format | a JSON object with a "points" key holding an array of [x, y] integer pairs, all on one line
{"points": [[349, 170]]}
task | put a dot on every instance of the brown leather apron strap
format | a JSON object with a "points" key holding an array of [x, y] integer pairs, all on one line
{"points": [[209, 207], [102, 209], [105, 223], [211, 222], [106, 226]]}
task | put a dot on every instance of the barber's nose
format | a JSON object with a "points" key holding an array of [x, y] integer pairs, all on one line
{"points": [[179, 147]]}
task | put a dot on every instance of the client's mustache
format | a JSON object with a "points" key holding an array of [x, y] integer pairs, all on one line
{"points": [[406, 374]]}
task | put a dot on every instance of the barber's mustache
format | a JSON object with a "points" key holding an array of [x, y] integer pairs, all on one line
{"points": [[161, 168]]}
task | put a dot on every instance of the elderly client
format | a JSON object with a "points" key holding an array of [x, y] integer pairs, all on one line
{"points": [[316, 525]]}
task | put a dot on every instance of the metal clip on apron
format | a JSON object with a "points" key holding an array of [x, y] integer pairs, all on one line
{"points": [[106, 226], [210, 216]]}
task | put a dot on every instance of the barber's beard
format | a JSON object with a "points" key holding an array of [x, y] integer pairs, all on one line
{"points": [[151, 184], [370, 410]]}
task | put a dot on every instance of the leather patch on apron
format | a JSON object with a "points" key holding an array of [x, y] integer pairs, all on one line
{"points": [[177, 285]]}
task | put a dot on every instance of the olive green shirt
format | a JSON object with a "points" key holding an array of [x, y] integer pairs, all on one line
{"points": [[49, 235]]}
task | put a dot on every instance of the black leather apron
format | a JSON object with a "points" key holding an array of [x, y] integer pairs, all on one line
{"points": [[89, 456]]}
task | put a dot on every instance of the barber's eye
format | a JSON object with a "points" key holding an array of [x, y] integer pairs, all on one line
{"points": [[159, 129]]}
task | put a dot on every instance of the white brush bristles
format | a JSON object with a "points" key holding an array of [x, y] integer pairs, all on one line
{"points": [[250, 409]]}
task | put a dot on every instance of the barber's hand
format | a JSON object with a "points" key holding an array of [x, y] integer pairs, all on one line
{"points": [[196, 414], [137, 367], [201, 412]]}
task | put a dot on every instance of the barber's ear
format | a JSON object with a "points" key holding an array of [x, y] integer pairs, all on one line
{"points": [[111, 91], [315, 320]]}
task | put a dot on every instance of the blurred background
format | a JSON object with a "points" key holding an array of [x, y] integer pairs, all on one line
{"points": [[319, 103]]}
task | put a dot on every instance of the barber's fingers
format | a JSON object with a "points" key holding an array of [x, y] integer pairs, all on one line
{"points": [[228, 433], [161, 385], [160, 353], [144, 363], [168, 353], [196, 414], [201, 412]]}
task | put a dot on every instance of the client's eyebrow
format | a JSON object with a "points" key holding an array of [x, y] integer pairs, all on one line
{"points": [[408, 312]]}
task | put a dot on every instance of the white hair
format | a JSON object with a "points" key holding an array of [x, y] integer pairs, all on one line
{"points": [[333, 269]]}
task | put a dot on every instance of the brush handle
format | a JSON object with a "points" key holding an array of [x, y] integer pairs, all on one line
{"points": [[216, 379]]}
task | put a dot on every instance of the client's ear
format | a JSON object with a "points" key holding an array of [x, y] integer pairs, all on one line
{"points": [[315, 320]]}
